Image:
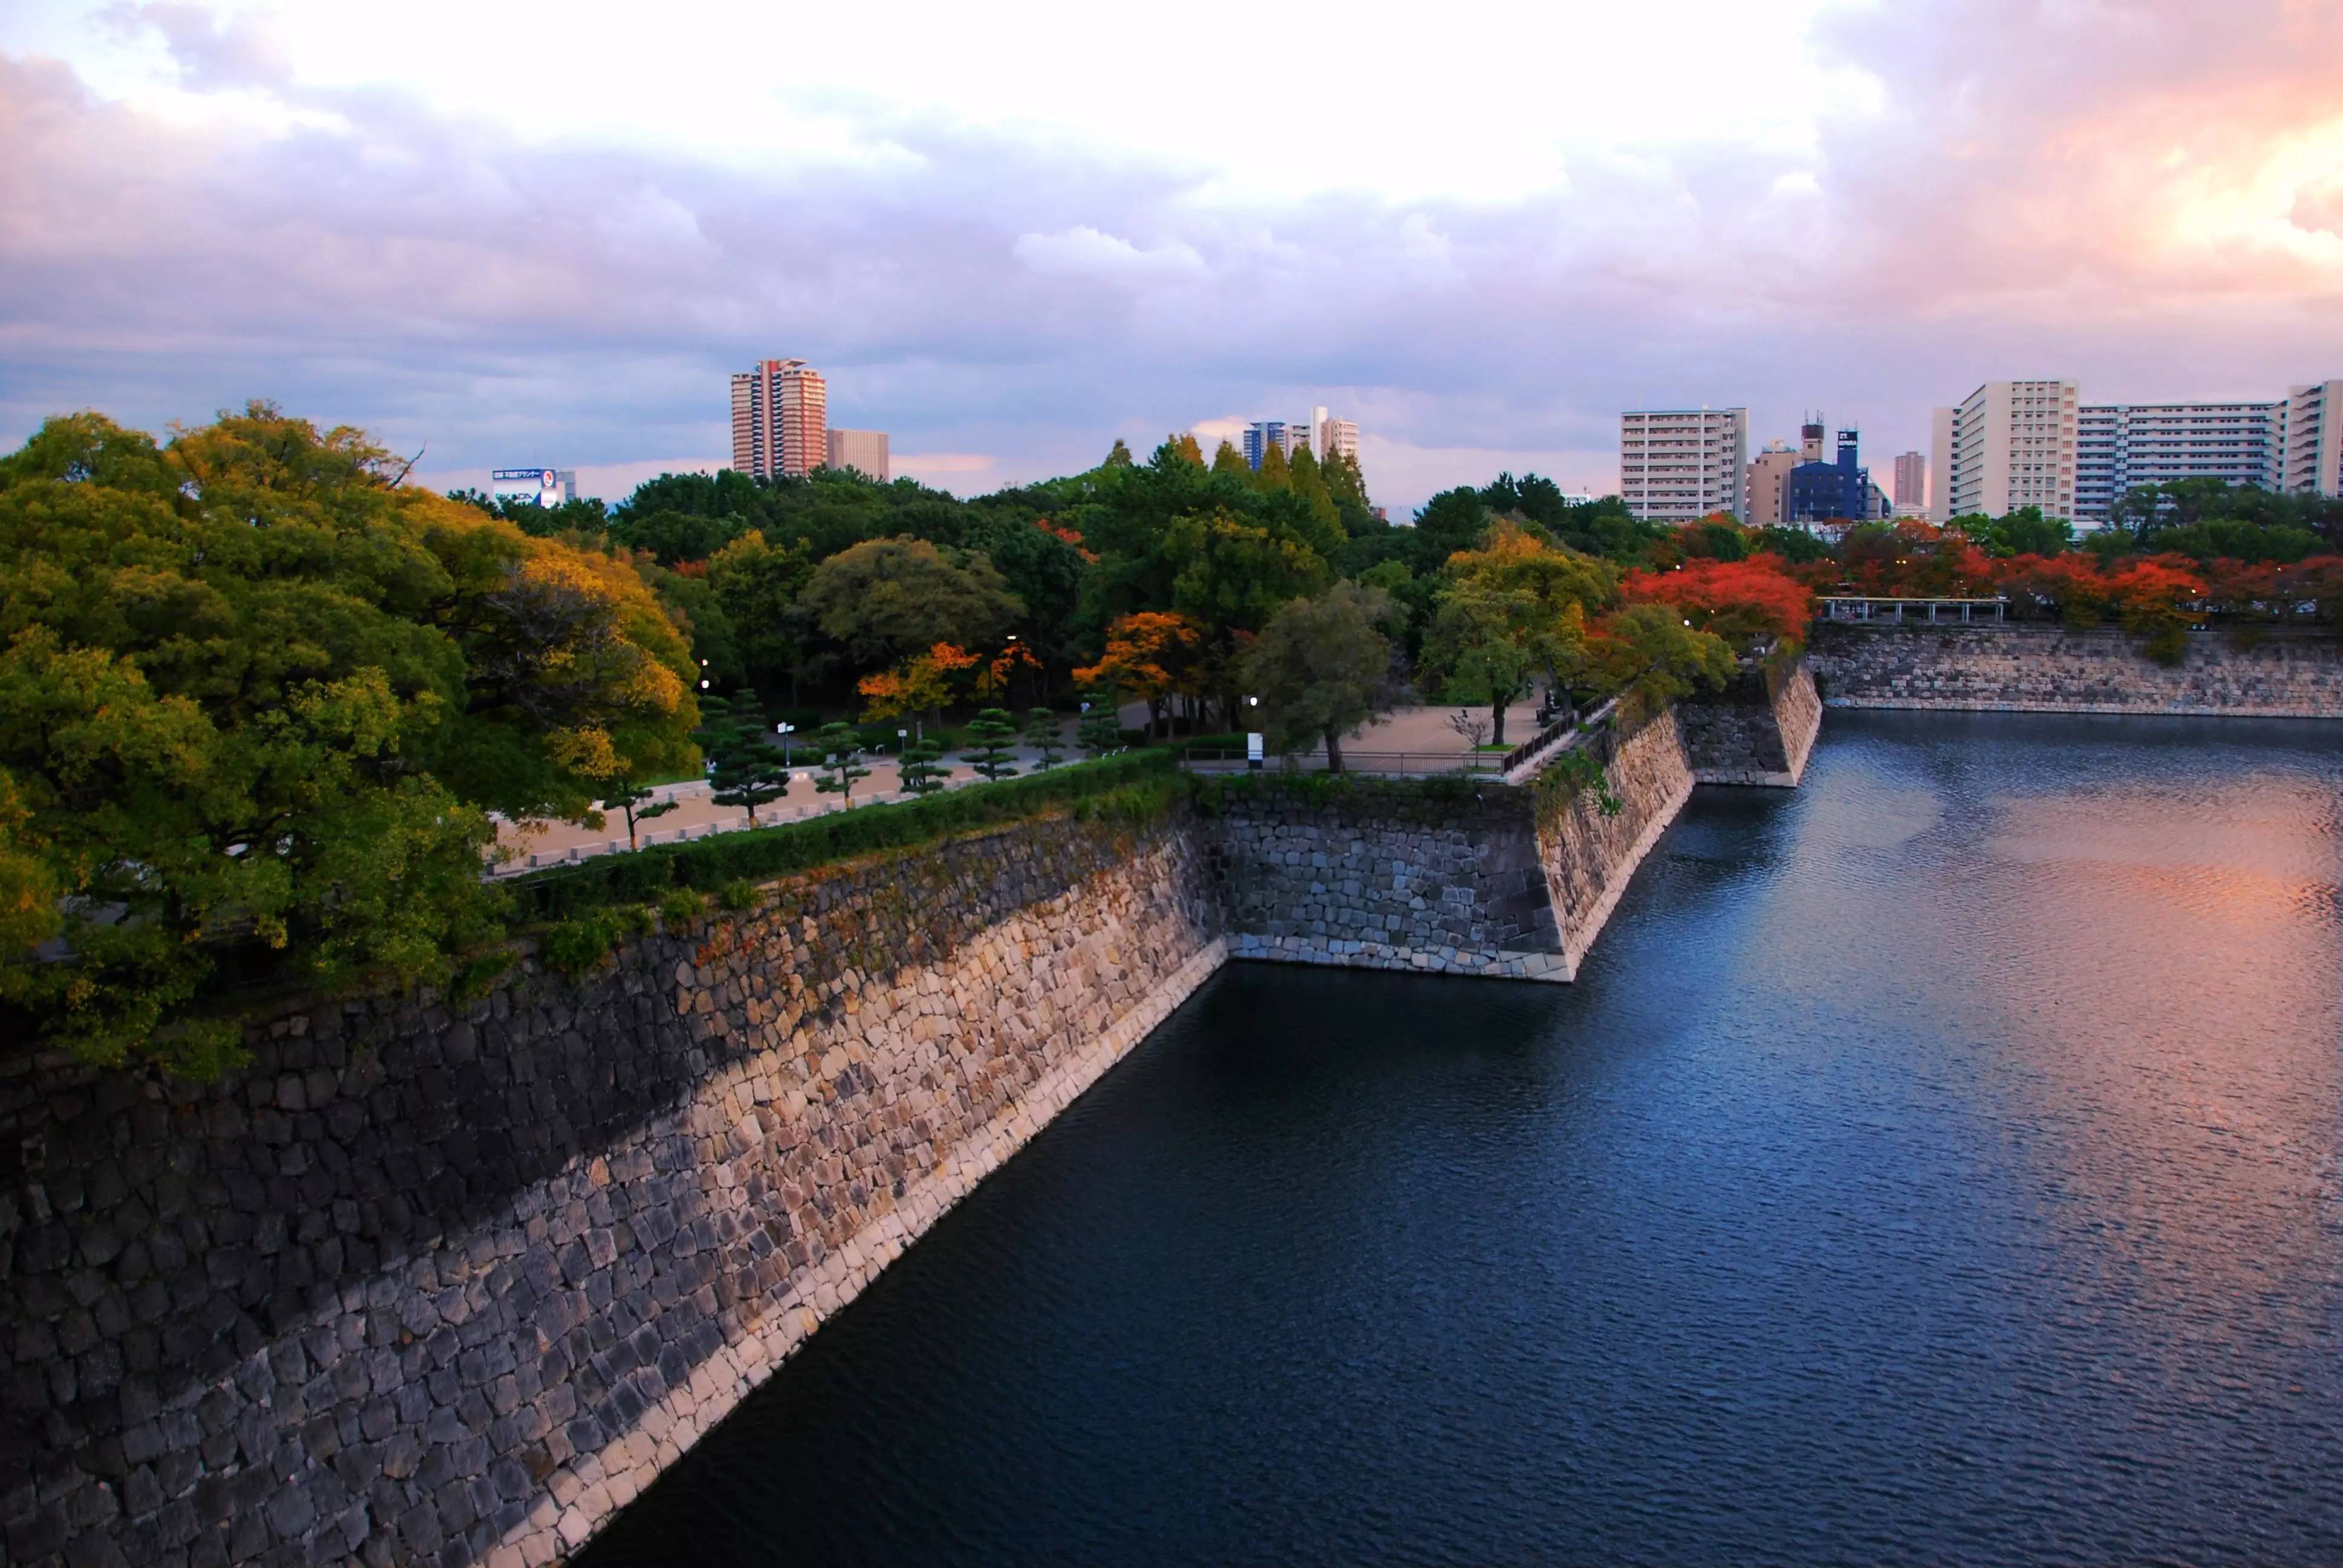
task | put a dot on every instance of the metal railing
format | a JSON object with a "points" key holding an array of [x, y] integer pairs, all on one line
{"points": [[1390, 764], [1562, 726], [1893, 611]]}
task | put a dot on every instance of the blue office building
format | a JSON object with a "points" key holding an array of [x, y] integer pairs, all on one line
{"points": [[1820, 491]]}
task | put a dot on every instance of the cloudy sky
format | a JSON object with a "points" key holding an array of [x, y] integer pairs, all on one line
{"points": [[512, 234]]}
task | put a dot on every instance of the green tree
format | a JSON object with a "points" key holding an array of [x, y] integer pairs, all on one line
{"points": [[1544, 592], [1477, 649], [674, 536], [1651, 656], [1795, 545], [1452, 520], [1234, 574], [1310, 483], [922, 769], [1046, 733], [992, 729], [1274, 473], [1100, 730], [1344, 483], [883, 599], [841, 761], [1229, 462], [1119, 455], [749, 771], [254, 692], [1322, 669], [634, 801], [2023, 532], [757, 587]]}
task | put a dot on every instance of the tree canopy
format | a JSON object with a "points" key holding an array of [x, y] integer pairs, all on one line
{"points": [[253, 686], [1323, 668]]}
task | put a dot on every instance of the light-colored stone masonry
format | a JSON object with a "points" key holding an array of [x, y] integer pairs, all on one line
{"points": [[1589, 858], [2050, 669]]}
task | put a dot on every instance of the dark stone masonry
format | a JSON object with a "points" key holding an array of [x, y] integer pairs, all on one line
{"points": [[450, 1282]]}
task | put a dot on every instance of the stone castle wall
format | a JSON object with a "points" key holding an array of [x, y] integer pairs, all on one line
{"points": [[451, 1283], [1448, 877], [1589, 857], [1759, 730], [1437, 875], [2051, 669]]}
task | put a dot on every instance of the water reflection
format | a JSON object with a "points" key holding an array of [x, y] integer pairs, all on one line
{"points": [[1940, 1162]]}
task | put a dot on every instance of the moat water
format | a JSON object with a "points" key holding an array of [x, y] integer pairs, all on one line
{"points": [[1941, 1163]]}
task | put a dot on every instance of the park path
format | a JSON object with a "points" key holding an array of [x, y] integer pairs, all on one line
{"points": [[1420, 731]]}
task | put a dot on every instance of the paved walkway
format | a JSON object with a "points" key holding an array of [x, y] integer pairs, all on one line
{"points": [[1424, 736], [538, 844], [1417, 739]]}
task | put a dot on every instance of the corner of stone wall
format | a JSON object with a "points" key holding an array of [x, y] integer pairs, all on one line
{"points": [[1589, 858]]}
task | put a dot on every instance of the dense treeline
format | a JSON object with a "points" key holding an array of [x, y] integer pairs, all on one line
{"points": [[259, 694]]}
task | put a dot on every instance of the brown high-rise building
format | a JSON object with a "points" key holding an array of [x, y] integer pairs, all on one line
{"points": [[1769, 487], [780, 420], [1912, 482]]}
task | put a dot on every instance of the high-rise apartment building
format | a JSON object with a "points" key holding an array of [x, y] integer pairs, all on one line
{"points": [[1680, 465], [1328, 437], [780, 420], [1766, 504], [1911, 480], [2119, 445], [2310, 459], [2033, 443], [1320, 434], [1262, 434], [864, 451], [2009, 444]]}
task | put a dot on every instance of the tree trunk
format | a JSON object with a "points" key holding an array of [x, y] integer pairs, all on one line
{"points": [[1334, 751], [1497, 720]]}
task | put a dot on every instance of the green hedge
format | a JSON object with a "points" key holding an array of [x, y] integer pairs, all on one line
{"points": [[1136, 785]]}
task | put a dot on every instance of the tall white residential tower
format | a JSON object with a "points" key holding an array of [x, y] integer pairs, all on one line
{"points": [[2009, 444], [1679, 464], [2311, 457]]}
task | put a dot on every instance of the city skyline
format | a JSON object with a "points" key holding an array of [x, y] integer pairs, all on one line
{"points": [[315, 206]]}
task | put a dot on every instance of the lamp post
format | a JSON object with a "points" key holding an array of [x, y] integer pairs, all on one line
{"points": [[1255, 759], [785, 730]]}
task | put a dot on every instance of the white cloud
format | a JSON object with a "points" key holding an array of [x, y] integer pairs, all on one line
{"points": [[1083, 252], [540, 247]]}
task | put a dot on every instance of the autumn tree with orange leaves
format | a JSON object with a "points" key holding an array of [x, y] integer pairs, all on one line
{"points": [[1151, 655], [921, 683]]}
